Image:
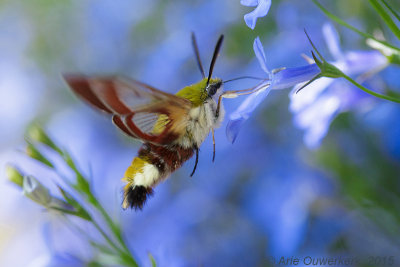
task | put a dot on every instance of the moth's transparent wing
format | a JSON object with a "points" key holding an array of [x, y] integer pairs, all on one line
{"points": [[138, 109]]}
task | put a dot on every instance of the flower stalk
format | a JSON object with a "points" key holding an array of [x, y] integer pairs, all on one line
{"points": [[69, 205]]}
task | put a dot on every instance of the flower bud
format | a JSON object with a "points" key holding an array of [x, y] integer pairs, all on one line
{"points": [[14, 175], [34, 153], [36, 133], [34, 190]]}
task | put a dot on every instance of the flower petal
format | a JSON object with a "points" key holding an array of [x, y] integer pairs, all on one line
{"points": [[259, 51], [309, 94], [233, 128], [289, 77], [260, 11], [249, 2], [363, 61], [317, 118], [332, 40], [237, 118]]}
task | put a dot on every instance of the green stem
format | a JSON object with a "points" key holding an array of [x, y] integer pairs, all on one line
{"points": [[106, 237], [386, 17], [370, 91], [93, 200], [85, 189], [343, 23], [111, 224], [123, 253], [82, 187], [391, 10]]}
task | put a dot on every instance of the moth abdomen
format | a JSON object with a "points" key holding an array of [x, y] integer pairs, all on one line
{"points": [[136, 197], [150, 167]]}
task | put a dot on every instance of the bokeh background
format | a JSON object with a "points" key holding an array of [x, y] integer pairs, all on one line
{"points": [[267, 195]]}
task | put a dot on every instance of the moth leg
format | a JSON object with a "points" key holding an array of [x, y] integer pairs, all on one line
{"points": [[197, 160], [212, 131], [218, 108]]}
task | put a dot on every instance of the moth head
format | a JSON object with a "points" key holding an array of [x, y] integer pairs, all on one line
{"points": [[199, 92], [213, 87]]}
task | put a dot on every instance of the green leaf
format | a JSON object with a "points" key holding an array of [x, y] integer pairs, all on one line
{"points": [[34, 153], [152, 260], [80, 211], [112, 260], [66, 211], [37, 134], [394, 13], [102, 248], [386, 17], [81, 184]]}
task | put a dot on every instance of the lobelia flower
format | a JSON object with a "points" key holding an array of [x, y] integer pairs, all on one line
{"points": [[316, 107], [260, 11], [277, 79]]}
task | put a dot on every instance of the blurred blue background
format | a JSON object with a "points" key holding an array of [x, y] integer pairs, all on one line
{"points": [[267, 195]]}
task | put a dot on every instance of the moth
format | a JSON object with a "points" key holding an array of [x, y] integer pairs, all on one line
{"points": [[171, 127]]}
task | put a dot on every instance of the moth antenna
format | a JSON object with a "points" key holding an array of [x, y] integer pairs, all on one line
{"points": [[197, 54], [214, 58], [243, 77]]}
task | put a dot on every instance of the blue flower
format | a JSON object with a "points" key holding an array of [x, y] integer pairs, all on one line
{"points": [[316, 107], [260, 11], [277, 79]]}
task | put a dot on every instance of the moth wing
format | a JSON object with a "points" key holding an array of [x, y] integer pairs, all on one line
{"points": [[138, 109]]}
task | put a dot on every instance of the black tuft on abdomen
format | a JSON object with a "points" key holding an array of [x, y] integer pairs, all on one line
{"points": [[137, 196]]}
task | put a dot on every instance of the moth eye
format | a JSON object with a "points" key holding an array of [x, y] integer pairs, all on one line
{"points": [[212, 89]]}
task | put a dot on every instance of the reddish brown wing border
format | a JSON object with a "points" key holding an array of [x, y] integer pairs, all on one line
{"points": [[104, 93], [81, 87]]}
